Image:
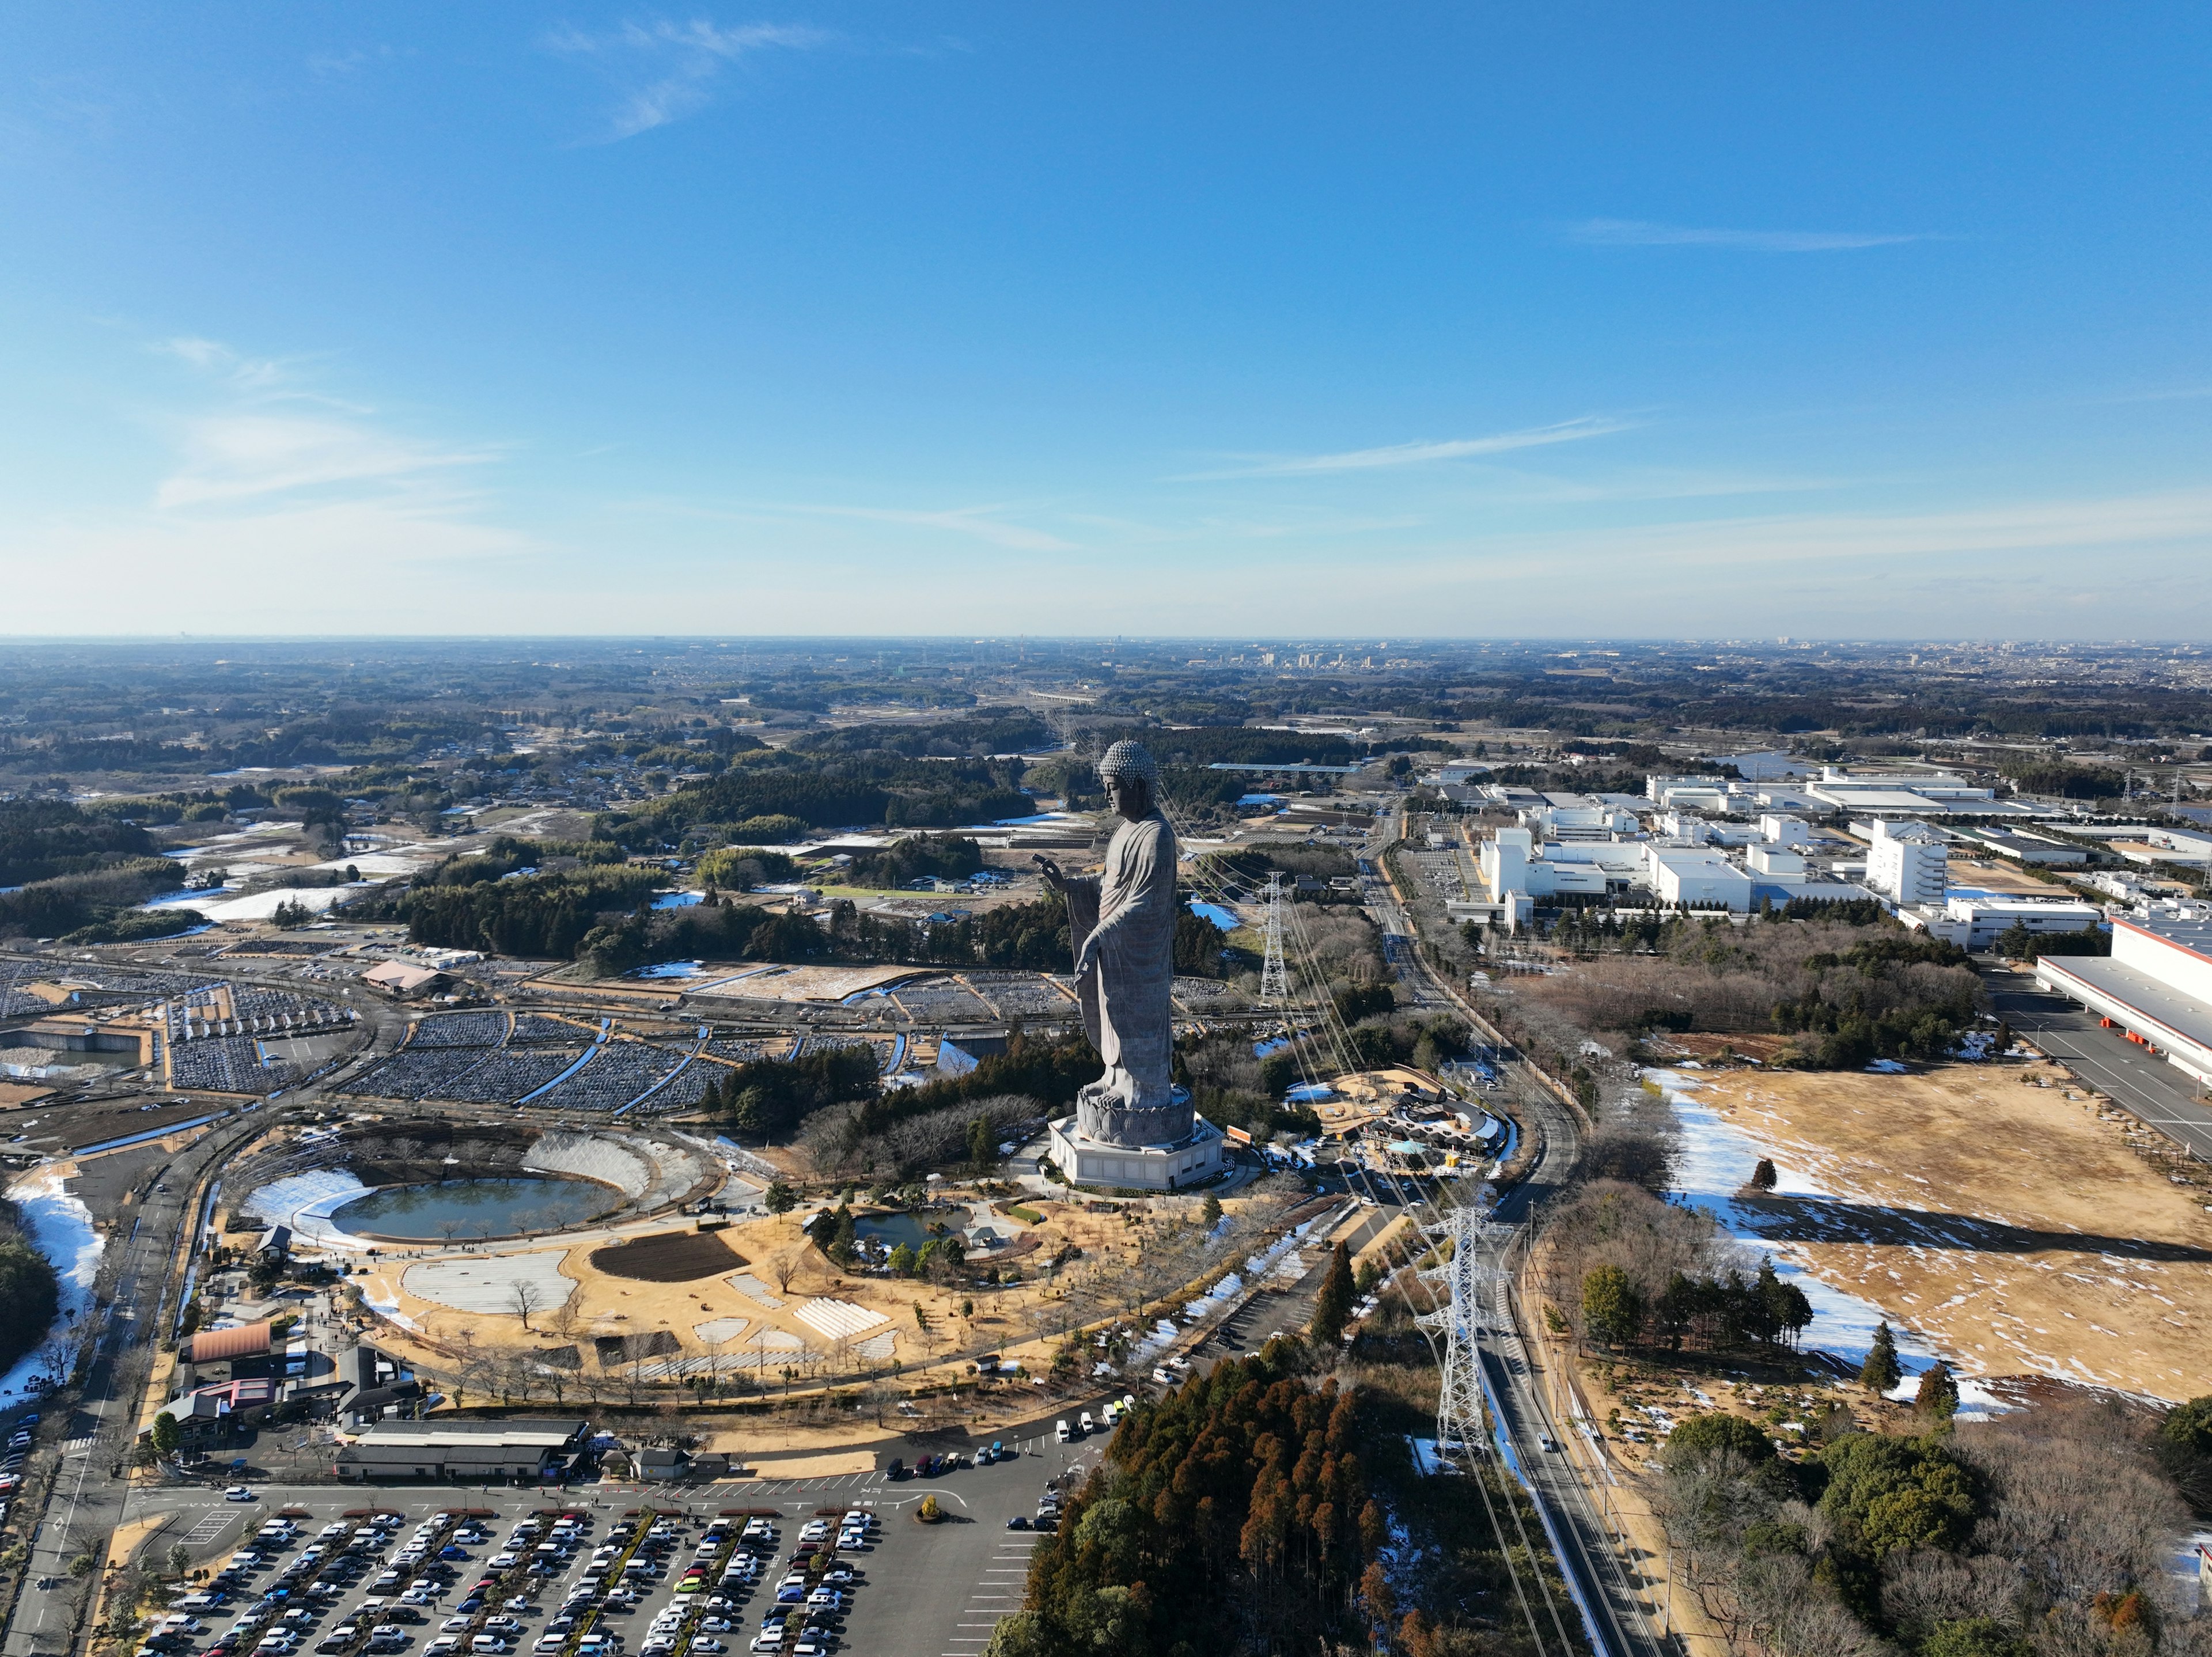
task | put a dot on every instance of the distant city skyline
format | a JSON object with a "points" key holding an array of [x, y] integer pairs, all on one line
{"points": [[810, 320]]}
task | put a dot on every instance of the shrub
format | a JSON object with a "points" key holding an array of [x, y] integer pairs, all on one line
{"points": [[1703, 1437]]}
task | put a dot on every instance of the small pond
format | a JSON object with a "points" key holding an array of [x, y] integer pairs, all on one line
{"points": [[914, 1230], [464, 1210]]}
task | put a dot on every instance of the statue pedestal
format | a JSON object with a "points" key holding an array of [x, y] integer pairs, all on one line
{"points": [[1193, 1156]]}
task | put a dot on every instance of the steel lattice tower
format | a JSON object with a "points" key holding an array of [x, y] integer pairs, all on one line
{"points": [[1275, 980]]}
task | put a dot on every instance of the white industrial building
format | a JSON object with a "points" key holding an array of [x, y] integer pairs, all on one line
{"points": [[1908, 862], [2156, 985], [1911, 794], [1697, 876], [1975, 923]]}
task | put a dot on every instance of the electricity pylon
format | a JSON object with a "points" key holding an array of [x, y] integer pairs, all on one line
{"points": [[1275, 980]]}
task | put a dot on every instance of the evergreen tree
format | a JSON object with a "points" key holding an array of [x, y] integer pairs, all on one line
{"points": [[1880, 1372], [1333, 1307], [1611, 1311], [1763, 1177], [1937, 1395]]}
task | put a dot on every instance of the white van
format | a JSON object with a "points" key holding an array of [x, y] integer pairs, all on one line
{"points": [[1060, 1431], [1087, 1424]]}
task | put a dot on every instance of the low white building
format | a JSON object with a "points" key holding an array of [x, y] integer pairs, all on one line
{"points": [[1909, 862], [1511, 863], [1785, 830], [1987, 919], [1698, 876]]}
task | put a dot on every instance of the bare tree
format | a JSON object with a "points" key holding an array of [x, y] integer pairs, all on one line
{"points": [[525, 1297], [783, 1267]]}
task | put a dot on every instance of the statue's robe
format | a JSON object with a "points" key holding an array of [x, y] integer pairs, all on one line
{"points": [[1131, 910]]}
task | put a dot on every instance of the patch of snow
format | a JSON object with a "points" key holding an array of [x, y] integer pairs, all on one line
{"points": [[60, 1228], [485, 1283]]}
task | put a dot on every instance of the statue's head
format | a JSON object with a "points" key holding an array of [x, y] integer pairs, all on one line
{"points": [[1131, 777]]}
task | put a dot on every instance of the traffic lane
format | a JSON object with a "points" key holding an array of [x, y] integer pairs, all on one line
{"points": [[930, 1586], [1585, 1551], [2148, 1089]]}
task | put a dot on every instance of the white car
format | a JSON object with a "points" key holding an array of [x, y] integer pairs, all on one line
{"points": [[455, 1625], [238, 1493], [712, 1647], [504, 1561]]}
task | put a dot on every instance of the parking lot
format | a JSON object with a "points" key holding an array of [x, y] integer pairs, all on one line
{"points": [[471, 1575], [415, 1572]]}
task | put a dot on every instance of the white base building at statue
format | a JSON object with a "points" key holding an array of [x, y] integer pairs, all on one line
{"points": [[1191, 1161]]}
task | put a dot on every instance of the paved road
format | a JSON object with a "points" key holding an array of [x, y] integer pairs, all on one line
{"points": [[938, 1590], [87, 1500], [1585, 1553], [2148, 1089]]}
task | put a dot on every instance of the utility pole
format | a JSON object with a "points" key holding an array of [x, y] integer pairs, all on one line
{"points": [[1275, 980]]}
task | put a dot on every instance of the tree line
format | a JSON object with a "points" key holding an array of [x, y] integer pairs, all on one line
{"points": [[1716, 1312]]}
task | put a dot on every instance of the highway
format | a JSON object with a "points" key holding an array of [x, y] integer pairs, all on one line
{"points": [[1621, 1624]]}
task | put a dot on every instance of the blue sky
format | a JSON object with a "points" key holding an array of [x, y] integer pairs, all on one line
{"points": [[1577, 320]]}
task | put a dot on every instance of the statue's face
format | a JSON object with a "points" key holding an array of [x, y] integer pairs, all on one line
{"points": [[1132, 796]]}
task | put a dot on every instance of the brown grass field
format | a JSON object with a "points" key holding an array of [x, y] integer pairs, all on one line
{"points": [[2001, 1209]]}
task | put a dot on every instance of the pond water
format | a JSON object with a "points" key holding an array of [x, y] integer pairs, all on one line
{"points": [[462, 1210], [913, 1230]]}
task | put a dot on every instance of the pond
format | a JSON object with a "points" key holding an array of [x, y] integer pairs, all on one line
{"points": [[464, 1210], [914, 1230]]}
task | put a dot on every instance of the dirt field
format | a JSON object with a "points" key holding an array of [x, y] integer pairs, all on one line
{"points": [[669, 1257], [2012, 1222], [1996, 875]]}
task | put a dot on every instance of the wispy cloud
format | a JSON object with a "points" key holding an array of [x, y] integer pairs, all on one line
{"points": [[1639, 232], [1421, 454], [974, 521], [243, 456], [665, 70]]}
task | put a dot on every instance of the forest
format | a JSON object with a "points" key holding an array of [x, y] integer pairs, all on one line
{"points": [[868, 789], [30, 1295], [1847, 992], [2042, 1532], [1232, 1516]]}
